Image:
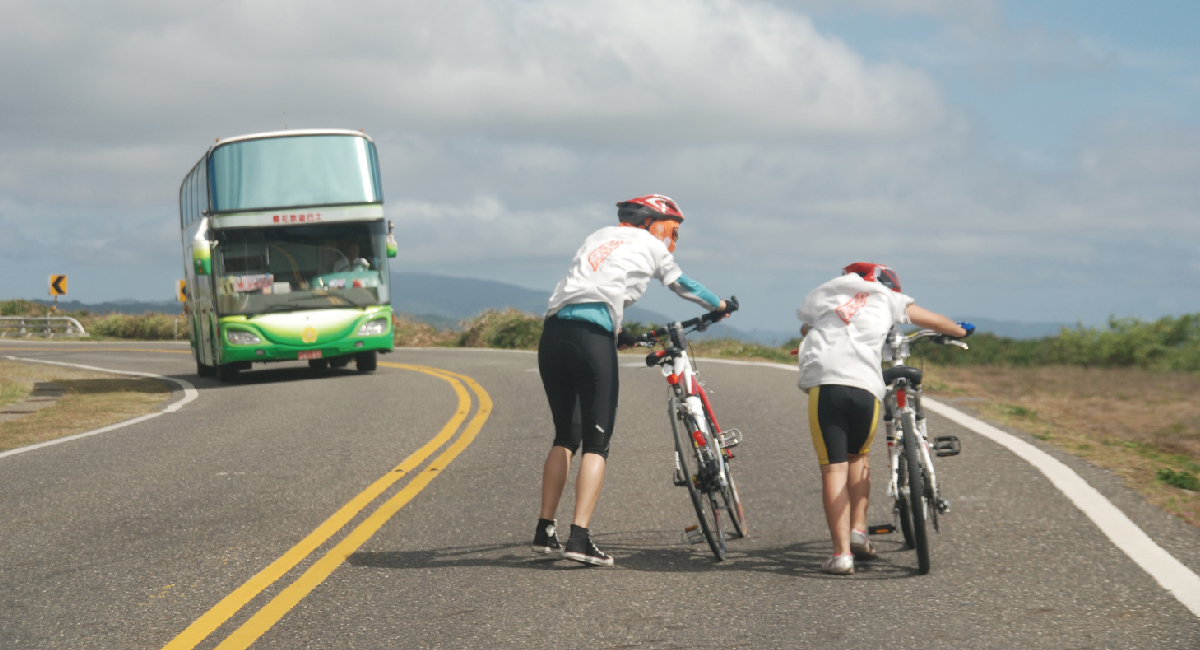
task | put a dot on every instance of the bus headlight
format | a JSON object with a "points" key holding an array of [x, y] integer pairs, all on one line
{"points": [[371, 328], [238, 337]]}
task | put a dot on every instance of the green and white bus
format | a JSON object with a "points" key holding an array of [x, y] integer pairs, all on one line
{"points": [[286, 251]]}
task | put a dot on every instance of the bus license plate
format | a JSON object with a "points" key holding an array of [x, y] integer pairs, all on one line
{"points": [[310, 354]]}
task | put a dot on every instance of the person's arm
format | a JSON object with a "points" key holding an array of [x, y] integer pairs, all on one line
{"points": [[805, 329], [926, 319], [689, 289]]}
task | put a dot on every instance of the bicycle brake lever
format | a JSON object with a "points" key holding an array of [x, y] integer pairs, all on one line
{"points": [[959, 344]]}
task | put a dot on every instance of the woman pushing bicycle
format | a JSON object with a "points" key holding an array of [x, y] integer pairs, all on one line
{"points": [[577, 354], [845, 323]]}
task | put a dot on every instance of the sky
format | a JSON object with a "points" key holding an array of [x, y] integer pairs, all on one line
{"points": [[1013, 160]]}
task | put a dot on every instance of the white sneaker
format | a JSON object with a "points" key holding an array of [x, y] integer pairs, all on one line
{"points": [[861, 546], [841, 565]]}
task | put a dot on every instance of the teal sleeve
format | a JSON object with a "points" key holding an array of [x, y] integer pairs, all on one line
{"points": [[689, 289]]}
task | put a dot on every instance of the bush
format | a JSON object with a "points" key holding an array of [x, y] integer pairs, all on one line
{"points": [[1169, 343], [147, 327], [509, 329], [1183, 480], [728, 347], [413, 334], [21, 308]]}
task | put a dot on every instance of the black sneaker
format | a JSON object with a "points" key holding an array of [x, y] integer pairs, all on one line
{"points": [[581, 549], [545, 540]]}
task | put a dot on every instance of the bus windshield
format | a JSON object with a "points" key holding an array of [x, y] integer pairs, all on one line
{"points": [[294, 171], [291, 268]]}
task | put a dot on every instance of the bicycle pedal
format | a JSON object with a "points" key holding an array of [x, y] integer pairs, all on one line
{"points": [[943, 506], [678, 479], [693, 535], [730, 438], [947, 446], [881, 529]]}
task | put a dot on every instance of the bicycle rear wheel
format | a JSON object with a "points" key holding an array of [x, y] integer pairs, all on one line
{"points": [[902, 509], [729, 494], [916, 493], [697, 477]]}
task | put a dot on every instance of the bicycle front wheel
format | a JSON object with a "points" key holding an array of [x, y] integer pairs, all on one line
{"points": [[918, 504], [697, 476], [729, 494]]}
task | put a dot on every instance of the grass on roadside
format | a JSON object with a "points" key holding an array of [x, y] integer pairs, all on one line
{"points": [[92, 400], [13, 390], [1143, 425]]}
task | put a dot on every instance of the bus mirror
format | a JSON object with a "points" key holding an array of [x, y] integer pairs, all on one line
{"points": [[201, 258], [391, 241]]}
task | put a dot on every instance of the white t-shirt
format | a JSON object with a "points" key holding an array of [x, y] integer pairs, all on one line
{"points": [[614, 266], [849, 319]]}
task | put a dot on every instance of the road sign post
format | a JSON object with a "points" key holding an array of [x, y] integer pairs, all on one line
{"points": [[58, 287]]}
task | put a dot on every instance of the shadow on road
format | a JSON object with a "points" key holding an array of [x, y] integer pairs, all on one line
{"points": [[283, 375], [801, 560]]}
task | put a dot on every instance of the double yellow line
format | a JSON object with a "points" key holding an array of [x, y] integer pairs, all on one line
{"points": [[290, 596]]}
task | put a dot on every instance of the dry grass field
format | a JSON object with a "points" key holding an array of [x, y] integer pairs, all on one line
{"points": [[91, 400], [1143, 425]]}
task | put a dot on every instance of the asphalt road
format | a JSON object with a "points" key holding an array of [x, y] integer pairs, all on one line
{"points": [[184, 529]]}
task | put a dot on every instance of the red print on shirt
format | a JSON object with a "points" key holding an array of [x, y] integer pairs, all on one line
{"points": [[847, 311], [597, 257]]}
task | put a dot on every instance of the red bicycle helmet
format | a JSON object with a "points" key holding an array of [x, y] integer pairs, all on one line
{"points": [[652, 206], [872, 272]]}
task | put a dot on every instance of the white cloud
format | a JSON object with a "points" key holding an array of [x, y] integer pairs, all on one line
{"points": [[507, 131]]}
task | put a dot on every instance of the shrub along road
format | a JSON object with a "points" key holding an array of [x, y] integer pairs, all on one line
{"points": [[226, 524]]}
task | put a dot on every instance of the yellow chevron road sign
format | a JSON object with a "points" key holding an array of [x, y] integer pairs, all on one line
{"points": [[58, 285]]}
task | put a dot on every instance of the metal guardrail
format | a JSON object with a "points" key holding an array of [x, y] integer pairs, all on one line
{"points": [[47, 326]]}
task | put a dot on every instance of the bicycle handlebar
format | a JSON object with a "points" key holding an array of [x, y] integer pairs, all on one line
{"points": [[936, 337], [704, 320]]}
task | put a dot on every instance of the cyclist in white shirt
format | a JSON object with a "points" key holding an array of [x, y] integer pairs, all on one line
{"points": [[845, 323], [577, 354]]}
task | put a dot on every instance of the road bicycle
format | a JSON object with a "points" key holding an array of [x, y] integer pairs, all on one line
{"points": [[913, 481], [702, 448]]}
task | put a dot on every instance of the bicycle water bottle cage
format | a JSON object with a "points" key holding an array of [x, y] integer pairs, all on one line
{"points": [[947, 446], [913, 375]]}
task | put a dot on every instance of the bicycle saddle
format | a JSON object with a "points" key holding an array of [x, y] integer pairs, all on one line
{"points": [[913, 375]]}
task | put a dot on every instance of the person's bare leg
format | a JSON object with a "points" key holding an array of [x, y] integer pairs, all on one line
{"points": [[554, 479], [859, 486], [587, 487], [836, 499]]}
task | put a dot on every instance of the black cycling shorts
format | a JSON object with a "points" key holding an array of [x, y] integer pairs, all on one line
{"points": [[578, 362], [842, 420]]}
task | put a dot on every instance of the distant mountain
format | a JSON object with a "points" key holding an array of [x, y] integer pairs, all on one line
{"points": [[443, 301], [440, 300]]}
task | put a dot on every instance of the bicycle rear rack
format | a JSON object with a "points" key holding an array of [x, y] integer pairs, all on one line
{"points": [[729, 438]]}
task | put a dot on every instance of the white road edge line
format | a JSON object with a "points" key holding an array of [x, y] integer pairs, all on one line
{"points": [[189, 395], [1169, 572], [1173, 575]]}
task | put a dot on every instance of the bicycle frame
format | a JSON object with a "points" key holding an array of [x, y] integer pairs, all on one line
{"points": [[690, 394], [701, 466], [903, 399]]}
